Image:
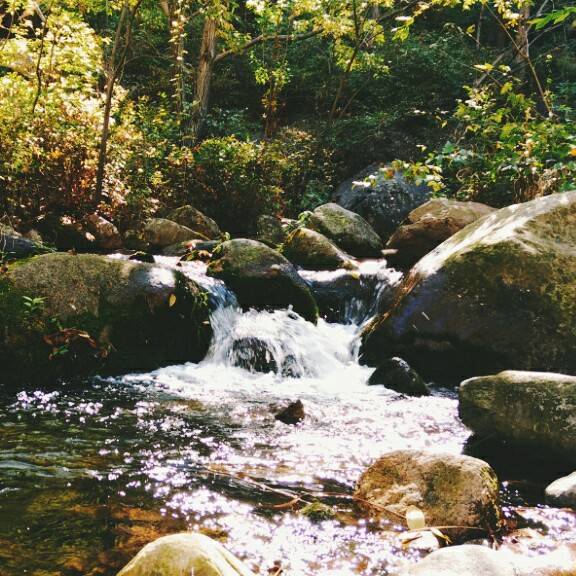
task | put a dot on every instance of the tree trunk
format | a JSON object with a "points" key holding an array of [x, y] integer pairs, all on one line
{"points": [[522, 44], [197, 122], [114, 67]]}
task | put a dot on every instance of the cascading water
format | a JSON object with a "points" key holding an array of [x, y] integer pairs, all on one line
{"points": [[91, 471]]}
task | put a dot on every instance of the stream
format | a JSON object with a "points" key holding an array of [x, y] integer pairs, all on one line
{"points": [[92, 469]]}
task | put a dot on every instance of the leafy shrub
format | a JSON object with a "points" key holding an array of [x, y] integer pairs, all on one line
{"points": [[503, 149], [235, 181]]}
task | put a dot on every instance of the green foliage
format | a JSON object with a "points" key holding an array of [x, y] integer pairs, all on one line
{"points": [[235, 181], [33, 305], [503, 150]]}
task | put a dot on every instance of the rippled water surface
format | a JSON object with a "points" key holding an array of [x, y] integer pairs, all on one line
{"points": [[92, 470]]}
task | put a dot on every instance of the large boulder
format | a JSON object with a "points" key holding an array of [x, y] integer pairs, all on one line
{"points": [[428, 226], [65, 314], [185, 554], [382, 202], [533, 411], [160, 232], [262, 277], [194, 219], [497, 295], [347, 230], [313, 251], [460, 492]]}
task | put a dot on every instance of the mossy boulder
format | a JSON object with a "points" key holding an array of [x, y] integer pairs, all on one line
{"points": [[428, 226], [161, 232], [262, 278], [347, 230], [313, 251], [63, 314], [532, 411], [500, 294], [195, 220], [185, 554], [450, 490]]}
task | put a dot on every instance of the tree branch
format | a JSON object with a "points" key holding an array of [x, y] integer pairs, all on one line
{"points": [[262, 39]]}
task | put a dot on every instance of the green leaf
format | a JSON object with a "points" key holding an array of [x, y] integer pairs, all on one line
{"points": [[448, 148]]}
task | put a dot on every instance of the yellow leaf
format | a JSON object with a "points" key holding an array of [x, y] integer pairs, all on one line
{"points": [[415, 518], [172, 300], [572, 152]]}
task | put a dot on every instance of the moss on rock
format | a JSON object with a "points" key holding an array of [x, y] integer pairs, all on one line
{"points": [[262, 278], [96, 314]]}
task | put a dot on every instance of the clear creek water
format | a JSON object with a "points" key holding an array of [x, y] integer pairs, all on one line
{"points": [[92, 470]]}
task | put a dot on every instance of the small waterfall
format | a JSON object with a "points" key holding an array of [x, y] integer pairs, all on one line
{"points": [[279, 341], [352, 297]]}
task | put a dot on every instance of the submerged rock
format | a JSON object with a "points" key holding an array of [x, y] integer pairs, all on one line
{"points": [[64, 314], [455, 491], [397, 375], [428, 226], [253, 354], [262, 278], [292, 414], [185, 554], [533, 411], [347, 230], [497, 295]]}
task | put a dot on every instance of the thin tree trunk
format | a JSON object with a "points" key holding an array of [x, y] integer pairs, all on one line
{"points": [[197, 123], [114, 68]]}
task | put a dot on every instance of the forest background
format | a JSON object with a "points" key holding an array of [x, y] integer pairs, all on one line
{"points": [[251, 107]]}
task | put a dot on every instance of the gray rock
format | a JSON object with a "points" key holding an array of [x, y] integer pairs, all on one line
{"points": [[397, 375], [195, 220], [271, 230], [562, 492], [105, 233], [185, 554], [428, 226], [499, 294], [160, 232], [15, 247], [382, 202], [347, 230], [453, 491], [113, 316], [262, 278], [528, 410], [313, 251], [465, 560]]}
